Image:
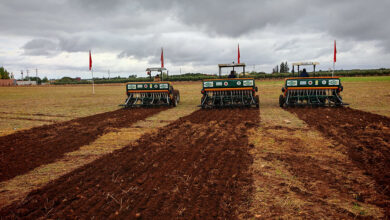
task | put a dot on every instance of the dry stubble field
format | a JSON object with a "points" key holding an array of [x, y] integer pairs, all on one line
{"points": [[272, 163]]}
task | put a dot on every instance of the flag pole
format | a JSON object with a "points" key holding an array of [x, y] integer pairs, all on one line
{"points": [[93, 84], [333, 69]]}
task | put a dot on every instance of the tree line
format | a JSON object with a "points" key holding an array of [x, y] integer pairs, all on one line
{"points": [[282, 68]]}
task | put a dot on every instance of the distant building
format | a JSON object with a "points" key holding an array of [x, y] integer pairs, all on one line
{"points": [[26, 83], [78, 79], [7, 82]]}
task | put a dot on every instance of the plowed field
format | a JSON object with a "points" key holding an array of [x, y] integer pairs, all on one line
{"points": [[197, 166], [366, 136], [25, 150]]}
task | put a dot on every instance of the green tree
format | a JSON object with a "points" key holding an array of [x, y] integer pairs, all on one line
{"points": [[4, 74], [45, 80], [282, 68], [286, 67]]}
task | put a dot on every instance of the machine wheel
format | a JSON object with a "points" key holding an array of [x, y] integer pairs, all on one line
{"points": [[257, 101], [281, 101], [174, 101], [177, 94]]}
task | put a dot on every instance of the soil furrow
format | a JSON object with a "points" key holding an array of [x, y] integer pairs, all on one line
{"points": [[23, 151], [366, 135], [196, 167]]}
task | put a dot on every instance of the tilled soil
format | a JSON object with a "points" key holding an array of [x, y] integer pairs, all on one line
{"points": [[25, 150], [366, 135], [196, 167]]}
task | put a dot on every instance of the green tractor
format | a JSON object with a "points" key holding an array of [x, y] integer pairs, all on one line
{"points": [[229, 92], [157, 93], [311, 91]]}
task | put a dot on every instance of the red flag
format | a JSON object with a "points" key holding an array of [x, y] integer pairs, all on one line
{"points": [[335, 51], [90, 60], [238, 57], [162, 58]]}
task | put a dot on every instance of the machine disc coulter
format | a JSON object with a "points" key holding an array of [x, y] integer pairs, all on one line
{"points": [[240, 92], [311, 91]]}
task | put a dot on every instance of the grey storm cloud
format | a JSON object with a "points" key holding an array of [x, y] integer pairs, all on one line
{"points": [[194, 32], [40, 47]]}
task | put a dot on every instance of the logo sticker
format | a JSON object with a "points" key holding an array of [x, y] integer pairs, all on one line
{"points": [[163, 86], [316, 83], [334, 82], [310, 83], [156, 86], [131, 86], [208, 84], [146, 86], [292, 83], [218, 83], [302, 83], [248, 83], [225, 83], [238, 83], [323, 82]]}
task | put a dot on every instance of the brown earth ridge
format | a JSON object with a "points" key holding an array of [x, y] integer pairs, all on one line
{"points": [[25, 150], [196, 167], [367, 137]]}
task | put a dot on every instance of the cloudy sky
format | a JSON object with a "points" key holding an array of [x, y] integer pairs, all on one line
{"points": [[126, 36]]}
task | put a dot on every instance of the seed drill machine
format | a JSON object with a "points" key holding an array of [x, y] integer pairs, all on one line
{"points": [[311, 91], [157, 93], [231, 91]]}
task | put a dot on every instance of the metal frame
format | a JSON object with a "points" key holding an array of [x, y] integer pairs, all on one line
{"points": [[157, 69], [314, 64], [220, 66], [241, 98], [147, 99], [329, 97]]}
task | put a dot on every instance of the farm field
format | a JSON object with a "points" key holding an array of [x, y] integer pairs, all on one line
{"points": [[190, 163]]}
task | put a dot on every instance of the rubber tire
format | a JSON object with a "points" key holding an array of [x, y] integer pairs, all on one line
{"points": [[177, 94], [174, 101], [281, 101], [258, 101]]}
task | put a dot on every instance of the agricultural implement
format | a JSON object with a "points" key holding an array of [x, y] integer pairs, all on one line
{"points": [[229, 92], [158, 93], [311, 91]]}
